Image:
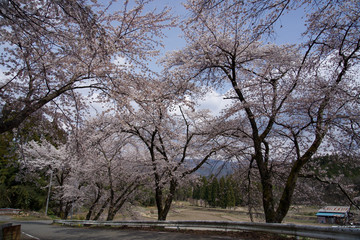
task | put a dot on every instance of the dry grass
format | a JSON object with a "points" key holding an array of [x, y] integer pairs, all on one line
{"points": [[302, 215], [185, 211]]}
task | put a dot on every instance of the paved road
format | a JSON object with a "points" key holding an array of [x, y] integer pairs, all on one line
{"points": [[44, 230]]}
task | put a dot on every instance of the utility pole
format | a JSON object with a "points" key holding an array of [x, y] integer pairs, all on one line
{"points": [[48, 196]]}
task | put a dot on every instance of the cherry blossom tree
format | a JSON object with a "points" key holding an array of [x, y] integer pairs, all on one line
{"points": [[99, 168], [287, 100], [52, 49], [175, 137], [57, 161], [111, 168]]}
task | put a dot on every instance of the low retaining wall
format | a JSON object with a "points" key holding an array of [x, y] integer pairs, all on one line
{"points": [[341, 233], [9, 211]]}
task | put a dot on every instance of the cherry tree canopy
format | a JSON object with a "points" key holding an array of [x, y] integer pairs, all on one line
{"points": [[288, 100], [100, 168], [176, 139], [111, 167], [45, 157], [51, 48]]}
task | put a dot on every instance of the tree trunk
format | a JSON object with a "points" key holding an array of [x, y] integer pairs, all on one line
{"points": [[112, 214], [102, 209], [288, 191], [158, 200], [268, 198], [121, 200], [111, 210], [266, 181], [67, 209], [92, 207], [61, 210], [163, 211]]}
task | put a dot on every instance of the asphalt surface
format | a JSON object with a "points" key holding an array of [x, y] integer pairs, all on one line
{"points": [[43, 230]]}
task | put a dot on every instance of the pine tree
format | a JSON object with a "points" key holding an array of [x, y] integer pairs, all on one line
{"points": [[204, 191], [196, 192], [214, 193], [230, 196], [222, 193]]}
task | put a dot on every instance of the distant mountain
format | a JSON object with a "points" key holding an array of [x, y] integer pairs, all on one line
{"points": [[216, 167]]}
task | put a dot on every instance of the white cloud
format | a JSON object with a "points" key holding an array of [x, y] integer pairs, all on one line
{"points": [[213, 101], [121, 62], [3, 78]]}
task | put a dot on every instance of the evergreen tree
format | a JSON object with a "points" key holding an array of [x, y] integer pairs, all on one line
{"points": [[196, 192], [230, 196], [222, 193], [204, 190], [214, 195]]}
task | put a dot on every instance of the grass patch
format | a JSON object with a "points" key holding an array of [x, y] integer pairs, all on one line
{"points": [[30, 218]]}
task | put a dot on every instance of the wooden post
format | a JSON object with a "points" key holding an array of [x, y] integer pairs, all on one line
{"points": [[11, 232]]}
